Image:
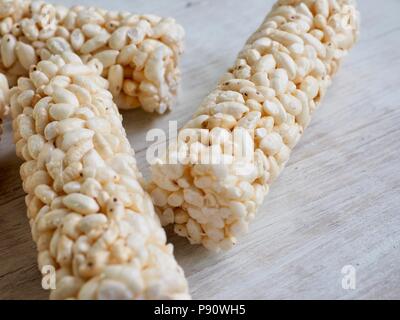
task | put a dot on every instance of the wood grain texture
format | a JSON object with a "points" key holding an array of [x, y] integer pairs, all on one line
{"points": [[337, 202]]}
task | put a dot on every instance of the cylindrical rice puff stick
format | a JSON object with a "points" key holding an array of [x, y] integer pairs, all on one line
{"points": [[275, 85], [139, 53], [89, 215]]}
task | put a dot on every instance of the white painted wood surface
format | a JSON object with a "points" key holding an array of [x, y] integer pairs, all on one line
{"points": [[337, 202]]}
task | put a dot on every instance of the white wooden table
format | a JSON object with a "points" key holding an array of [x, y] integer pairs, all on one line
{"points": [[336, 204]]}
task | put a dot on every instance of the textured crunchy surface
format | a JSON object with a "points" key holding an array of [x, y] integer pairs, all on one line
{"points": [[3, 100], [267, 97], [89, 215], [139, 53]]}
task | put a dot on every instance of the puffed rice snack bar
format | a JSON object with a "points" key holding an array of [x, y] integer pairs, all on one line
{"points": [[139, 53], [268, 96], [89, 215], [3, 100]]}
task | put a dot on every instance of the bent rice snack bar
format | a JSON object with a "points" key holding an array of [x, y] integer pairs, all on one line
{"points": [[139, 53]]}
